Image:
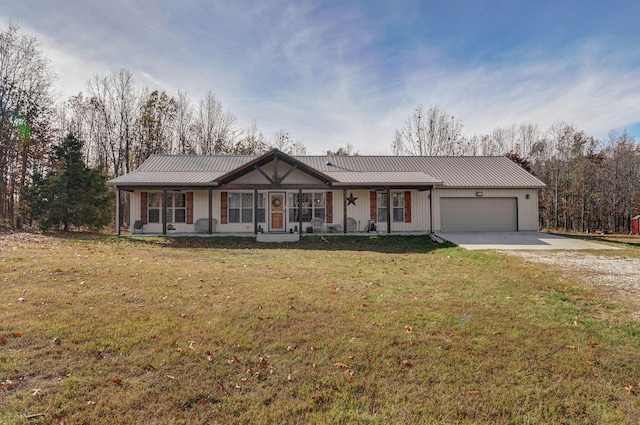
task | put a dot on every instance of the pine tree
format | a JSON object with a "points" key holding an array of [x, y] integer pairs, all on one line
{"points": [[71, 194]]}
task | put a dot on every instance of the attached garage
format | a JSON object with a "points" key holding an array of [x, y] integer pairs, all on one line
{"points": [[479, 214]]}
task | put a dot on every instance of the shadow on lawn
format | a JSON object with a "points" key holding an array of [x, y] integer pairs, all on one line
{"points": [[382, 244]]}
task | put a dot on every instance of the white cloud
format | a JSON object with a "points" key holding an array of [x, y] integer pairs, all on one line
{"points": [[324, 74]]}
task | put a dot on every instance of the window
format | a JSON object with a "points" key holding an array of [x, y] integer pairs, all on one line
{"points": [[397, 206], [261, 209], [240, 208], [313, 206], [153, 207], [382, 206], [176, 207]]}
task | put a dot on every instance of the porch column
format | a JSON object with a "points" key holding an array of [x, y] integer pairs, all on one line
{"points": [[344, 209], [299, 211], [255, 211], [164, 211], [388, 210], [118, 218], [430, 211], [210, 210]]}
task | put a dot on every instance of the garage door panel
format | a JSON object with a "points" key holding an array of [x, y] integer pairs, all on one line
{"points": [[478, 214]]}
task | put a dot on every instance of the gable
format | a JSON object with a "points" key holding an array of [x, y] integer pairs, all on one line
{"points": [[282, 173]]}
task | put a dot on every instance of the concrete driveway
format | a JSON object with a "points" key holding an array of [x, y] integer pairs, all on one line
{"points": [[518, 240]]}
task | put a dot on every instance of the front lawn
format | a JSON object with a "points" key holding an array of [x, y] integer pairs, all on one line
{"points": [[391, 330]]}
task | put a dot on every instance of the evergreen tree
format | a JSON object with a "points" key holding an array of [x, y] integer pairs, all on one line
{"points": [[71, 194]]}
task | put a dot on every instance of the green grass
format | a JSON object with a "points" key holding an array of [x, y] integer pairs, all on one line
{"points": [[352, 330]]}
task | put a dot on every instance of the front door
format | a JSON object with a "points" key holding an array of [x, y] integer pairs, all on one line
{"points": [[276, 200]]}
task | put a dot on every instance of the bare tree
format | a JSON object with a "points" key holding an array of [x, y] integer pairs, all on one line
{"points": [[250, 142], [283, 142], [183, 123], [156, 124], [430, 132], [25, 83], [215, 128]]}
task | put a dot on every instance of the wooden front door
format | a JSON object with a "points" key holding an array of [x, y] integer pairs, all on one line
{"points": [[276, 201]]}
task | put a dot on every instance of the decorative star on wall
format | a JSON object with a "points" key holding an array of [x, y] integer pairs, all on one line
{"points": [[351, 200]]}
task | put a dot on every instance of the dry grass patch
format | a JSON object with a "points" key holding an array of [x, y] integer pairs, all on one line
{"points": [[353, 330]]}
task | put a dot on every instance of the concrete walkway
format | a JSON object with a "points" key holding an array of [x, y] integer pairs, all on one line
{"points": [[518, 240]]}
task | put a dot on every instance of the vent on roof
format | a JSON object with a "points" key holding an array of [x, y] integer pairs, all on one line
{"points": [[329, 158]]}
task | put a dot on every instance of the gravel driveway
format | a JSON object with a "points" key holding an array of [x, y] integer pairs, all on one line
{"points": [[617, 273]]}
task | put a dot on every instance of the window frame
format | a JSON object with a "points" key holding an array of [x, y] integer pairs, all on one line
{"points": [[397, 206], [314, 205], [240, 212]]}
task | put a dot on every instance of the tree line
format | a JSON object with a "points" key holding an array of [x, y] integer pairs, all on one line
{"points": [[591, 184]]}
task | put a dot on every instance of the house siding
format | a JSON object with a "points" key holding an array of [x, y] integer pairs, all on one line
{"points": [[296, 176], [360, 212]]}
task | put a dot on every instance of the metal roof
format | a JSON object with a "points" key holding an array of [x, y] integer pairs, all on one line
{"points": [[458, 171], [382, 178], [455, 172], [157, 178]]}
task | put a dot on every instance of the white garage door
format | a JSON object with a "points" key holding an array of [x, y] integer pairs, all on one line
{"points": [[478, 214]]}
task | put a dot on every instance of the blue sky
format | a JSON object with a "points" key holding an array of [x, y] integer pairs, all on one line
{"points": [[338, 72]]}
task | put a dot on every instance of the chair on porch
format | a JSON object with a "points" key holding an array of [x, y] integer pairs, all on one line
{"points": [[137, 226], [352, 225], [317, 224], [202, 225]]}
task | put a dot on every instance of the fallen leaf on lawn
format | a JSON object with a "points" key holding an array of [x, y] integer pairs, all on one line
{"points": [[571, 347], [351, 381], [202, 401], [170, 376], [340, 365], [590, 363], [262, 362], [150, 368], [408, 328], [474, 392], [405, 362], [117, 381], [3, 340], [16, 334], [593, 344]]}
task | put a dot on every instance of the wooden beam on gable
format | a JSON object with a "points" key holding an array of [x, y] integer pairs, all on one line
{"points": [[291, 170], [237, 186], [269, 179]]}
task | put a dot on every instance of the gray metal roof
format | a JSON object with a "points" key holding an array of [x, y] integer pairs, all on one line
{"points": [[452, 171], [382, 178], [160, 178], [455, 172]]}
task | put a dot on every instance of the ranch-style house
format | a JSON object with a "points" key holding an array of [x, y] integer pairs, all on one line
{"points": [[280, 193]]}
